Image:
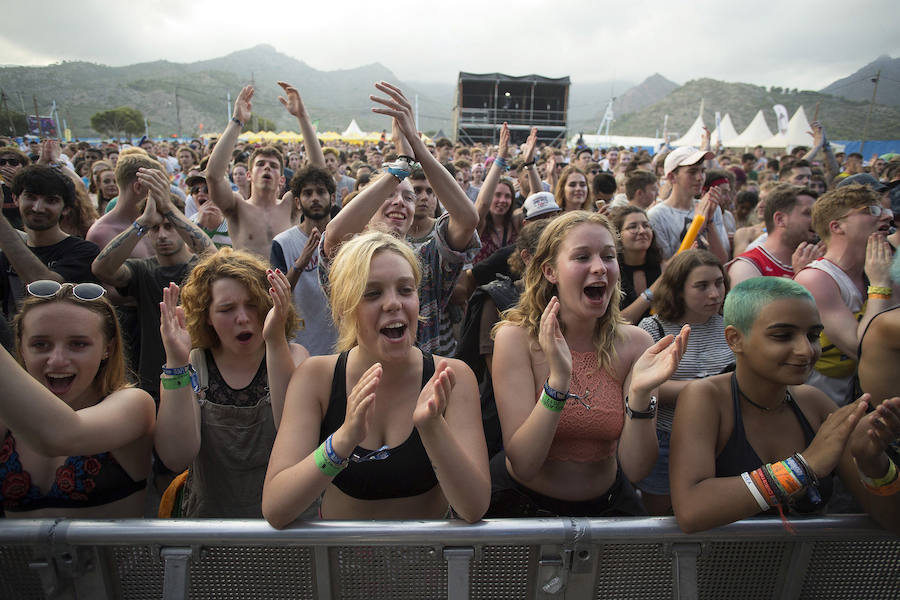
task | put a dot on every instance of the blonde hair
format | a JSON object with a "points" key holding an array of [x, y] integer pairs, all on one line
{"points": [[538, 290], [111, 375], [130, 160], [837, 204], [350, 274], [227, 263]]}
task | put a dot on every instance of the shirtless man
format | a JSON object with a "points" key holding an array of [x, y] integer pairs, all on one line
{"points": [[253, 223]]}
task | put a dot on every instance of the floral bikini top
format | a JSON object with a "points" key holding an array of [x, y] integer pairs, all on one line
{"points": [[81, 481]]}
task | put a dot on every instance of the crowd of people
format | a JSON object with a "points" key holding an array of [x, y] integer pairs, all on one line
{"points": [[416, 330]]}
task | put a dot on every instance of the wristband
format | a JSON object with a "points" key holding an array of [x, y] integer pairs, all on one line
{"points": [[176, 382], [641, 414], [530, 163], [330, 453], [238, 121], [141, 230], [648, 295], [879, 296], [760, 500], [550, 403], [878, 290], [501, 162], [326, 466], [175, 370], [884, 480]]}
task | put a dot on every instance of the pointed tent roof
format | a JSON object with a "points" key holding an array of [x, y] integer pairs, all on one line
{"points": [[797, 133], [353, 131], [728, 132], [757, 132], [693, 135]]}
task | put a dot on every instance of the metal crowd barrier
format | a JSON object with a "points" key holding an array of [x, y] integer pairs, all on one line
{"points": [[845, 556]]}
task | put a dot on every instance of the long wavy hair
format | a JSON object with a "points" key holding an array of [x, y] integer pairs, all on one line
{"points": [[538, 290]]}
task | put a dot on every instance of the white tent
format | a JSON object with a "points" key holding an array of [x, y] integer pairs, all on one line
{"points": [[728, 132], [756, 133], [627, 141], [797, 133], [353, 131], [693, 135]]}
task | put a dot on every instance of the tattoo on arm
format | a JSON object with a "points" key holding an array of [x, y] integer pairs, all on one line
{"points": [[199, 241], [115, 243]]}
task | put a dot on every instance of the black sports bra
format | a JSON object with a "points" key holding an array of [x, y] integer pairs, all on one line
{"points": [[406, 472]]}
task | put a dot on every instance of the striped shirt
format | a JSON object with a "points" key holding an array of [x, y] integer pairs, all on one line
{"points": [[707, 353]]}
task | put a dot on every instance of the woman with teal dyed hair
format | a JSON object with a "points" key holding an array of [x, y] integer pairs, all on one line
{"points": [[758, 439]]}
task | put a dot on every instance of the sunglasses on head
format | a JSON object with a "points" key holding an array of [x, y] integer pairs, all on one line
{"points": [[47, 288], [12, 162]]}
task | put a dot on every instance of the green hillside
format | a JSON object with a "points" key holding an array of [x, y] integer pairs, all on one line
{"points": [[843, 118]]}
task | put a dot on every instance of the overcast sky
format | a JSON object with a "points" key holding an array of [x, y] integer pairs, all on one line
{"points": [[802, 44]]}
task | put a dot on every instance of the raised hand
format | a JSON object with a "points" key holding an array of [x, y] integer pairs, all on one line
{"points": [[360, 402], [658, 362], [400, 142], [878, 260], [398, 107], [873, 434], [503, 147], [826, 448], [293, 103], [530, 144], [805, 254], [49, 152], [242, 105], [553, 343], [280, 291], [708, 203], [818, 133], [209, 216], [151, 215], [704, 139], [308, 250], [157, 183], [175, 337], [435, 395]]}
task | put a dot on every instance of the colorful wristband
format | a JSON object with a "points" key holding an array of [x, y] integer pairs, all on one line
{"points": [[879, 290], [551, 404], [760, 500], [173, 371], [175, 382], [331, 454], [326, 466]]}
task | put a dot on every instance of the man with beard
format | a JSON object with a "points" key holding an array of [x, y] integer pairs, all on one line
{"points": [[44, 251], [253, 223], [174, 239], [296, 252], [790, 244]]}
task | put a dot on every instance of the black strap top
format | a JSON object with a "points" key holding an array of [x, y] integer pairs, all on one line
{"points": [[739, 456], [406, 472]]}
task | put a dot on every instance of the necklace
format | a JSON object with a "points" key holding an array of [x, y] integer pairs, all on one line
{"points": [[757, 405]]}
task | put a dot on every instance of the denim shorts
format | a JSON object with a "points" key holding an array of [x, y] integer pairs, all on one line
{"points": [[657, 482]]}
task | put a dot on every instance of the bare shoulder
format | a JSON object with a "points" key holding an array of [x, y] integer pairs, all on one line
{"points": [[814, 403], [634, 341], [510, 333], [460, 369], [138, 402], [298, 352]]}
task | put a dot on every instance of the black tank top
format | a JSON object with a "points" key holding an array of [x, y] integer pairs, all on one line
{"points": [[738, 456], [406, 472]]}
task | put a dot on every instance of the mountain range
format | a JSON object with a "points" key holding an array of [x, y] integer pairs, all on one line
{"points": [[192, 98]]}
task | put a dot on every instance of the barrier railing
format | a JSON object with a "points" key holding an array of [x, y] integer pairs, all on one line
{"points": [[844, 556]]}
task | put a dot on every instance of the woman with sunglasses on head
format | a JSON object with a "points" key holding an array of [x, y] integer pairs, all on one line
{"points": [[220, 403], [76, 438], [575, 386], [760, 440], [398, 431]]}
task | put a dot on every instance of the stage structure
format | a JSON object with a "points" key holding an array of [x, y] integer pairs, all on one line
{"points": [[485, 101]]}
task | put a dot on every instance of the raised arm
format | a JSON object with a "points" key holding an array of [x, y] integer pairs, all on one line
{"points": [[463, 217], [50, 425], [354, 217], [486, 194], [109, 266], [220, 192], [281, 357], [195, 238], [534, 179], [448, 417], [654, 366], [177, 437], [294, 105]]}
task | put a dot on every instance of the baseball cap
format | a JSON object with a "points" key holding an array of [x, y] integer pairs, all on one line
{"points": [[684, 156], [539, 204], [863, 179], [195, 179]]}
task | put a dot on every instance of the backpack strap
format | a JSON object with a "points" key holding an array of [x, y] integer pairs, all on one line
{"points": [[198, 362]]}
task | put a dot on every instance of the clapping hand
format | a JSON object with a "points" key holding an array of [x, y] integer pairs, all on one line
{"points": [[172, 329], [435, 395], [242, 105], [280, 291], [658, 362]]}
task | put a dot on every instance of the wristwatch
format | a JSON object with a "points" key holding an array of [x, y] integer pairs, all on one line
{"points": [[641, 414]]}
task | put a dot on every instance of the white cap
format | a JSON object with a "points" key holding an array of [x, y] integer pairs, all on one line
{"points": [[685, 156], [539, 204]]}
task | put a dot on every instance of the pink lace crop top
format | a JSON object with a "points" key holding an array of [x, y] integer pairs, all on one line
{"points": [[589, 434]]}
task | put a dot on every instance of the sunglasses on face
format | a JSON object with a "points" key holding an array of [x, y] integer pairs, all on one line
{"points": [[12, 162], [873, 209], [47, 288], [199, 188]]}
